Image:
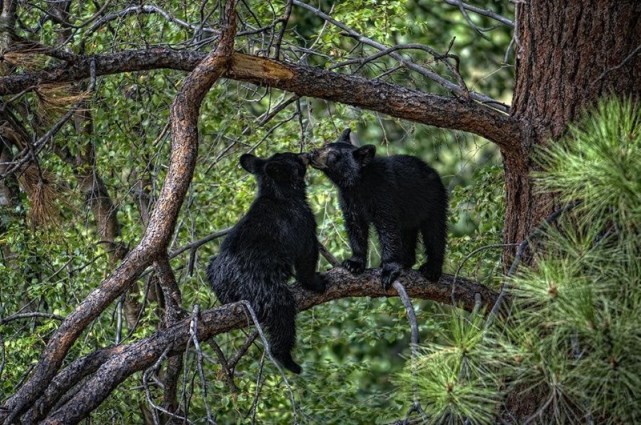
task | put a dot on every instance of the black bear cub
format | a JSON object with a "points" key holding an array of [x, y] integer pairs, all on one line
{"points": [[401, 195], [276, 237]]}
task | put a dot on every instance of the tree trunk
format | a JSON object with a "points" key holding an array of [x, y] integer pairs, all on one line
{"points": [[568, 55]]}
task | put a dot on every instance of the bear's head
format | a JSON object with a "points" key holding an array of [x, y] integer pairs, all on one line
{"points": [[282, 174], [342, 161]]}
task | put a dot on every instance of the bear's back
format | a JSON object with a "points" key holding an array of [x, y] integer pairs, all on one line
{"points": [[404, 185], [265, 242]]}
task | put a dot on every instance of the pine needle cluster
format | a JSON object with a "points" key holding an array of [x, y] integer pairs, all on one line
{"points": [[570, 349]]}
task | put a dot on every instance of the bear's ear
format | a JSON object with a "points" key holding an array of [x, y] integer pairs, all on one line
{"points": [[277, 171], [251, 163], [353, 139], [344, 137], [364, 155]]}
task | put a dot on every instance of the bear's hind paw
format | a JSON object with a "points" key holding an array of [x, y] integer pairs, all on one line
{"points": [[354, 266], [431, 273], [317, 285]]}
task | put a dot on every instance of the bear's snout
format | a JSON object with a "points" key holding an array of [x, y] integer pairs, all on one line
{"points": [[306, 157], [318, 158]]}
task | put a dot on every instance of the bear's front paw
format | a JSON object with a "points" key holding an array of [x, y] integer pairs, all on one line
{"points": [[430, 272], [317, 284], [390, 272], [354, 266]]}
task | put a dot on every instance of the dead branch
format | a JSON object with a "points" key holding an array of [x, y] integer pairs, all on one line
{"points": [[147, 9], [480, 11], [18, 316]]}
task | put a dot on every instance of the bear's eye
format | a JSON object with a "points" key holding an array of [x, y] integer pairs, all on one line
{"points": [[332, 156]]}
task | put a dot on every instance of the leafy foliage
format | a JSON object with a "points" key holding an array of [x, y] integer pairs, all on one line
{"points": [[350, 349]]}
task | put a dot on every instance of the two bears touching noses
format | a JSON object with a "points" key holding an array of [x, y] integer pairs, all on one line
{"points": [[400, 195]]}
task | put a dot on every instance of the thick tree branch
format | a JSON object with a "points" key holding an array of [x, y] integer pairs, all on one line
{"points": [[375, 95], [68, 377], [142, 354], [184, 149]]}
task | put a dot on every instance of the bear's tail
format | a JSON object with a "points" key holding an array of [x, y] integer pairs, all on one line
{"points": [[279, 319]]}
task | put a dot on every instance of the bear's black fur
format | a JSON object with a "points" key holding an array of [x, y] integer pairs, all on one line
{"points": [[275, 237], [401, 195]]}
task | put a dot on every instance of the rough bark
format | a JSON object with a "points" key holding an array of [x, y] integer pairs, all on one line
{"points": [[569, 54], [375, 95]]}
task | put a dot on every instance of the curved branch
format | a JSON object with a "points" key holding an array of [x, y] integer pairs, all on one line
{"points": [[184, 149], [375, 95], [142, 354]]}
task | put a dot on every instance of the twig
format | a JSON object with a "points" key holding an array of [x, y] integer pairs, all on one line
{"points": [[627, 58], [414, 341], [228, 372], [479, 11], [470, 255], [33, 149], [525, 243], [254, 318], [268, 115], [454, 69], [242, 350], [4, 356], [486, 100], [309, 50], [197, 244], [119, 319], [467, 18], [259, 386], [39, 144], [283, 21], [147, 8], [521, 251], [328, 255], [193, 333], [388, 72], [411, 315], [156, 408], [19, 316]]}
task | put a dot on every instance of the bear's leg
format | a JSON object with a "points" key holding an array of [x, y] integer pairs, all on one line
{"points": [[279, 319], [434, 238], [389, 235], [306, 270], [358, 232], [409, 238]]}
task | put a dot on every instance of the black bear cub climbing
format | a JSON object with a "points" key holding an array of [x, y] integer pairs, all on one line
{"points": [[401, 195], [275, 238]]}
